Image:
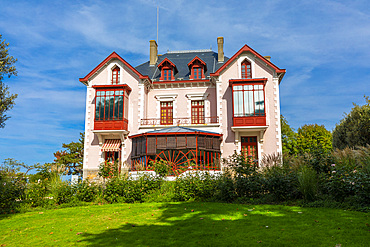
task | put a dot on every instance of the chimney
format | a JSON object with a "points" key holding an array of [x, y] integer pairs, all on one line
{"points": [[220, 42], [153, 56], [268, 58]]}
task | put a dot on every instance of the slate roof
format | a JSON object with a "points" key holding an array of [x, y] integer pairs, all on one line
{"points": [[179, 129], [181, 60]]}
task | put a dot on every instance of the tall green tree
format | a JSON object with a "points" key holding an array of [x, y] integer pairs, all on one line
{"points": [[354, 129], [7, 68], [314, 138], [71, 158], [288, 137]]}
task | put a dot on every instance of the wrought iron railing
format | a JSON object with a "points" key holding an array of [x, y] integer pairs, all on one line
{"points": [[180, 121]]}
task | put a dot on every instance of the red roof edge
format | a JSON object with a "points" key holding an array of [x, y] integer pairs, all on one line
{"points": [[111, 56], [243, 49]]}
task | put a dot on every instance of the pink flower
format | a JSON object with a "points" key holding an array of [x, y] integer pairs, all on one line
{"points": [[332, 164]]}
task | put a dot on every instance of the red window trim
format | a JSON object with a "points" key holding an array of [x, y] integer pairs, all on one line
{"points": [[197, 112], [264, 97], [166, 64], [166, 112], [247, 141], [244, 70], [116, 72]]}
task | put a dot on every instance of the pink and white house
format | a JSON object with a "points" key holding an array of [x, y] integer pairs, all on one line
{"points": [[188, 108]]}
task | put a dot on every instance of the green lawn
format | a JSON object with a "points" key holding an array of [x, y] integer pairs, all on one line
{"points": [[186, 224]]}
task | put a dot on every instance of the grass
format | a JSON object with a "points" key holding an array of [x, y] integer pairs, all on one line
{"points": [[185, 224]]}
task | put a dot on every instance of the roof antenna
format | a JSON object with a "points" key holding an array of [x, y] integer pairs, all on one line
{"points": [[157, 22]]}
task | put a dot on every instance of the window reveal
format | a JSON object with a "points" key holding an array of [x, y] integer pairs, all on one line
{"points": [[109, 105], [116, 75], [248, 100], [167, 74], [246, 70], [249, 147], [197, 111], [197, 73], [166, 113]]}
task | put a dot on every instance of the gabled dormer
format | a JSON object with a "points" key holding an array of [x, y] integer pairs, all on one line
{"points": [[197, 68], [168, 70]]}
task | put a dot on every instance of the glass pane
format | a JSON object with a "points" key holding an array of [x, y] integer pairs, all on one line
{"points": [[97, 108], [248, 101], [111, 105], [116, 107], [238, 103], [238, 87], [259, 102]]}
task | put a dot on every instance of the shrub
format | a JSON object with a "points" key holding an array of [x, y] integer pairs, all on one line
{"points": [[64, 193], [307, 183], [197, 185], [280, 183], [36, 193], [11, 190], [87, 192], [108, 169]]}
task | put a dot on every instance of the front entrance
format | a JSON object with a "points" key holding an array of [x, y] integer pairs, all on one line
{"points": [[112, 156], [249, 147]]}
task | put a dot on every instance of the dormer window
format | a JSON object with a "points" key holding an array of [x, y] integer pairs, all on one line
{"points": [[197, 68], [197, 73], [168, 70], [115, 75], [167, 74], [246, 70]]}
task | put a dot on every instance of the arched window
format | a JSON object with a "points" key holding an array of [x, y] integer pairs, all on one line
{"points": [[115, 75], [246, 70]]}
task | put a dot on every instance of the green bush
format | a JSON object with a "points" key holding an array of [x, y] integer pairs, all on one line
{"points": [[123, 189], [197, 185], [308, 183], [64, 193], [36, 194], [280, 183], [11, 191], [87, 192]]}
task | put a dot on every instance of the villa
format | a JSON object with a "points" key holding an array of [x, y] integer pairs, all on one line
{"points": [[187, 108]]}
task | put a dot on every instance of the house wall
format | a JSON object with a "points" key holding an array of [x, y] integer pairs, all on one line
{"points": [[269, 141], [92, 150]]}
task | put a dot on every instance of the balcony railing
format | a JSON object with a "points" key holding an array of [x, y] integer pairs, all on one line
{"points": [[180, 121]]}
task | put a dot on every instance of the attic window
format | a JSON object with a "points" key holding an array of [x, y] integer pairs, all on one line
{"points": [[246, 70], [168, 70], [115, 75], [197, 68]]}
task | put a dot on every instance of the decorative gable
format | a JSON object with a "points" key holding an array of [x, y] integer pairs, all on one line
{"points": [[168, 70], [197, 68]]}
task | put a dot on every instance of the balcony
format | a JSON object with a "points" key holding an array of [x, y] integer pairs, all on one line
{"points": [[111, 124], [183, 121], [249, 121]]}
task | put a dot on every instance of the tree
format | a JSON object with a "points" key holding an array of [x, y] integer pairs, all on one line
{"points": [[72, 157], [288, 137], [7, 68], [313, 138], [354, 129]]}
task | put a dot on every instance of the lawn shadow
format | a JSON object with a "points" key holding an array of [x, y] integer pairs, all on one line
{"points": [[200, 224]]}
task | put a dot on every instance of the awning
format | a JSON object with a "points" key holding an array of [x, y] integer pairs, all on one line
{"points": [[111, 145]]}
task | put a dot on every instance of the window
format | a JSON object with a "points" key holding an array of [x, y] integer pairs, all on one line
{"points": [[249, 147], [197, 111], [115, 75], [167, 74], [166, 113], [246, 70], [109, 105], [112, 156], [249, 100], [197, 73]]}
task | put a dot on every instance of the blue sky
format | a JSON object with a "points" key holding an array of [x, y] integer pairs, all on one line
{"points": [[323, 45]]}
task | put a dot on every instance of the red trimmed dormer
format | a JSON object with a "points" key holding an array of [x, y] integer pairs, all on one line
{"points": [[197, 68], [168, 70]]}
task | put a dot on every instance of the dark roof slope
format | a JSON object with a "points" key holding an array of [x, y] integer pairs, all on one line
{"points": [[181, 60]]}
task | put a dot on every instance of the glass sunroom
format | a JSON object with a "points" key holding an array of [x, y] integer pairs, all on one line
{"points": [[181, 148]]}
